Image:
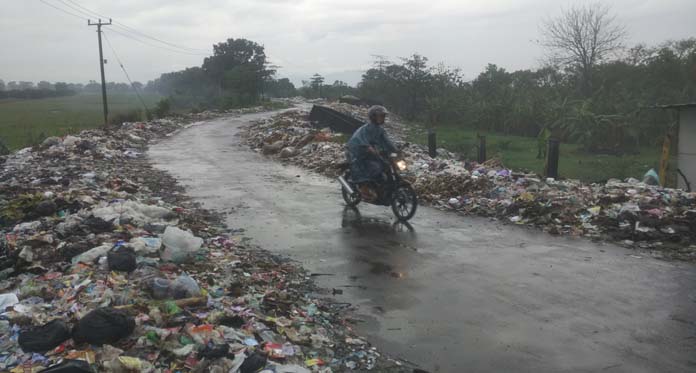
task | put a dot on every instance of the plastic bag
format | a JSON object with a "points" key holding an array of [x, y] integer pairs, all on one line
{"points": [[121, 258], [179, 245], [8, 300], [145, 245], [253, 363], [184, 287], [92, 255], [69, 366], [103, 326], [45, 337]]}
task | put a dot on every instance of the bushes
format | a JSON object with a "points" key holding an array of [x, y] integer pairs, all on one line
{"points": [[163, 108], [4, 150], [135, 115]]}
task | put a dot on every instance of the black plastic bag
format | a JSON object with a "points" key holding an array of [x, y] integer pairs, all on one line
{"points": [[69, 366], [121, 258], [212, 351], [253, 363], [103, 326], [45, 337]]}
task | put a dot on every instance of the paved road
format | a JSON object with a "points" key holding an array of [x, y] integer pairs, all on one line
{"points": [[455, 294]]}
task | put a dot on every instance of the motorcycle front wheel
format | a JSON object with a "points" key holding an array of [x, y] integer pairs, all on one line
{"points": [[404, 202], [351, 200]]}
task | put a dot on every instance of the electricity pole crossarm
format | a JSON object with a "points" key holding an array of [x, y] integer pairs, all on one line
{"points": [[99, 25]]}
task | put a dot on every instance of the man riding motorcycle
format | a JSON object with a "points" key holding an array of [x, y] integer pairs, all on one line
{"points": [[364, 149]]}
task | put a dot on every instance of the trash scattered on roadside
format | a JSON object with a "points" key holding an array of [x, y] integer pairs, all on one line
{"points": [[653, 218], [103, 326], [106, 265], [45, 337]]}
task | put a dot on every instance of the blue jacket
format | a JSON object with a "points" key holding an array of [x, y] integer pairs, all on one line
{"points": [[366, 166], [369, 134]]}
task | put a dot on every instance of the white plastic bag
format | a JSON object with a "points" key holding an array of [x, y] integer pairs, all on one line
{"points": [[179, 245]]}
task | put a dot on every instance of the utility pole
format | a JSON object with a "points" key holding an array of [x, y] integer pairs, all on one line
{"points": [[99, 25]]}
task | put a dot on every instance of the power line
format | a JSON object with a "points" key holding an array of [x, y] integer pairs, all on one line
{"points": [[157, 46], [126, 31], [62, 10], [125, 72], [127, 28]]}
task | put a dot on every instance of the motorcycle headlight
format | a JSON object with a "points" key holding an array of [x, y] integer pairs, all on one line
{"points": [[401, 165]]}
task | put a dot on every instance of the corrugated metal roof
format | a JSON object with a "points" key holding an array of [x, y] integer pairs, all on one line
{"points": [[677, 106]]}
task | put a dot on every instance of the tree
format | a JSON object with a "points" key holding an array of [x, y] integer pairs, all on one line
{"points": [[280, 88], [2, 85], [25, 85], [238, 55], [582, 37], [44, 85], [316, 82]]}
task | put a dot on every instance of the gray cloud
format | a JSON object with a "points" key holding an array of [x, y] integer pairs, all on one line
{"points": [[332, 37]]}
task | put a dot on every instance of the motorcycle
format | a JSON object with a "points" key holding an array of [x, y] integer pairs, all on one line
{"points": [[393, 191]]}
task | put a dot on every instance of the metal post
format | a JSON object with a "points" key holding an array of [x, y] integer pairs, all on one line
{"points": [[432, 143], [552, 156], [99, 25], [482, 149]]}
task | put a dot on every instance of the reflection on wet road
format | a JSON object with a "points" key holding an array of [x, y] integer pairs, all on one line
{"points": [[451, 294]]}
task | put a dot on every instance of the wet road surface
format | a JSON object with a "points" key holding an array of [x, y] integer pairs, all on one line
{"points": [[455, 294]]}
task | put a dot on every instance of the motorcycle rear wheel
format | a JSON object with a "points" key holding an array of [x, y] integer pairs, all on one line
{"points": [[404, 202]]}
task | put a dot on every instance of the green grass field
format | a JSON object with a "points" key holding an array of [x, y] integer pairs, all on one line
{"points": [[23, 121], [519, 153]]}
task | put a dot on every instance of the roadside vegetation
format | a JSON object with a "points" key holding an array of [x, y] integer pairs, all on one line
{"points": [[25, 122], [593, 93]]}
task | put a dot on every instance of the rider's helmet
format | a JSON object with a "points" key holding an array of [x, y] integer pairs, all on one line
{"points": [[375, 110]]}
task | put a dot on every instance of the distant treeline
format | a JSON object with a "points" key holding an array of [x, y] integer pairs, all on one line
{"points": [[615, 115], [44, 89], [35, 93]]}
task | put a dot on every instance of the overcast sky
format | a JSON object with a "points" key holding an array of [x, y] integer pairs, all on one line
{"points": [[333, 37]]}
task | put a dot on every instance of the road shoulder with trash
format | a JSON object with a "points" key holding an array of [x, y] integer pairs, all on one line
{"points": [[107, 265], [656, 221]]}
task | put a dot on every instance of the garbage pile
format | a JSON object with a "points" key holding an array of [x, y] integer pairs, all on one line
{"points": [[106, 265], [629, 212]]}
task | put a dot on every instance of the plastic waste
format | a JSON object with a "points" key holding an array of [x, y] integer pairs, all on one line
{"points": [[70, 140], [146, 245], [45, 337], [135, 212], [103, 326], [651, 177], [214, 351], [184, 286], [179, 245], [290, 369], [8, 300], [121, 258], [30, 226], [253, 363], [69, 366], [160, 288], [90, 256]]}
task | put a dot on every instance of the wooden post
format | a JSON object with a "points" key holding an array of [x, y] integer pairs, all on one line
{"points": [[664, 160], [482, 149], [432, 143], [552, 156]]}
